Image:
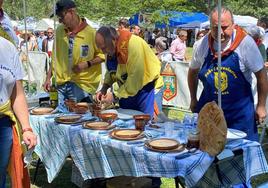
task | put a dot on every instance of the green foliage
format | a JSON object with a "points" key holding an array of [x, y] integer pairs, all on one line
{"points": [[110, 11], [247, 7]]}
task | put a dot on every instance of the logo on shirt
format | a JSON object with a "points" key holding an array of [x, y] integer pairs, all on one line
{"points": [[84, 50]]}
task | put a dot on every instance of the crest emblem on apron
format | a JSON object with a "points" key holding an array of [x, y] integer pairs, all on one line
{"points": [[224, 80], [170, 83]]}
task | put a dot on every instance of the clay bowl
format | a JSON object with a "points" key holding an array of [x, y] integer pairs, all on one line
{"points": [[82, 104], [108, 117], [70, 104], [141, 121], [81, 108]]}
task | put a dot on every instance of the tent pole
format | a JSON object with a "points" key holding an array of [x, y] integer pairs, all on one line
{"points": [[54, 43], [219, 53], [26, 43]]}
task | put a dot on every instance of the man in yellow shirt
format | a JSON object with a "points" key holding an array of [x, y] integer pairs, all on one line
{"points": [[133, 70], [77, 60]]}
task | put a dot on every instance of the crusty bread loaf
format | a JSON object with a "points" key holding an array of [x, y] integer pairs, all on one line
{"points": [[213, 129]]}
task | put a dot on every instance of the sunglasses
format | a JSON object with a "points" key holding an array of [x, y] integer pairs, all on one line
{"points": [[49, 32], [62, 15]]}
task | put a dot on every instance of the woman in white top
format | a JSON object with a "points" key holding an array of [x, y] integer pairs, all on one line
{"points": [[13, 108]]}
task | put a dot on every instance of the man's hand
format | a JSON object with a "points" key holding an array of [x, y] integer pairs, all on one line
{"points": [[193, 104], [80, 67], [266, 65], [108, 98], [30, 139], [260, 113], [99, 96], [46, 85]]}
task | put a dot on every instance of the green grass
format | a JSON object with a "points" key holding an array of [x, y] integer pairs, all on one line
{"points": [[63, 180], [189, 53]]}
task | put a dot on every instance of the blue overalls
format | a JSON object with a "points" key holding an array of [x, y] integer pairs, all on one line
{"points": [[237, 99], [142, 101]]}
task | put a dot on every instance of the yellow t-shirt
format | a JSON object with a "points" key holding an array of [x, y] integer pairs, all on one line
{"points": [[84, 49], [141, 68]]}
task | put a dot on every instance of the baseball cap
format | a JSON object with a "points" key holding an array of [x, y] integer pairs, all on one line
{"points": [[62, 5]]}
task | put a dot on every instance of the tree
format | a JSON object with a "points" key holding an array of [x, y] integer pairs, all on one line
{"points": [[110, 11], [246, 7]]}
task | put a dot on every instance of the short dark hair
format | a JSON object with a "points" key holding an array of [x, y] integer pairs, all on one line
{"points": [[109, 34], [124, 22], [263, 20], [62, 5], [224, 9]]}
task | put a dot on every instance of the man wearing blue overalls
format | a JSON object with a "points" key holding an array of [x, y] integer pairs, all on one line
{"points": [[240, 58]]}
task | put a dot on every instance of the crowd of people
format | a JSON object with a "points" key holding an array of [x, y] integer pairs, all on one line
{"points": [[133, 77], [41, 41]]}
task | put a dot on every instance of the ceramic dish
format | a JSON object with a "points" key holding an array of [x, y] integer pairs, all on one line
{"points": [[126, 134], [41, 111], [235, 134], [163, 144], [179, 148], [108, 117], [99, 125], [68, 119]]}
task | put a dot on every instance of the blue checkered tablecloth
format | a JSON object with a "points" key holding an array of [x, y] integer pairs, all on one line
{"points": [[53, 143], [97, 155]]}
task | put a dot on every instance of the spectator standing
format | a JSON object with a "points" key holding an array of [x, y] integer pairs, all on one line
{"points": [[178, 46], [26, 38], [257, 34], [199, 36], [47, 45], [40, 39], [146, 35], [161, 46], [123, 24], [136, 30], [263, 22]]}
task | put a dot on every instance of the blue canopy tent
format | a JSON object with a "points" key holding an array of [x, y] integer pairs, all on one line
{"points": [[179, 18], [134, 20]]}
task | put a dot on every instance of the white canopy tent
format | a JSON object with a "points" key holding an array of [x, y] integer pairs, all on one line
{"points": [[193, 25], [95, 25], [243, 21], [44, 24]]}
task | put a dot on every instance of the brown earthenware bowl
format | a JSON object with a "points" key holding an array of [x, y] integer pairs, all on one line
{"points": [[108, 117], [70, 104], [81, 108], [141, 121]]}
